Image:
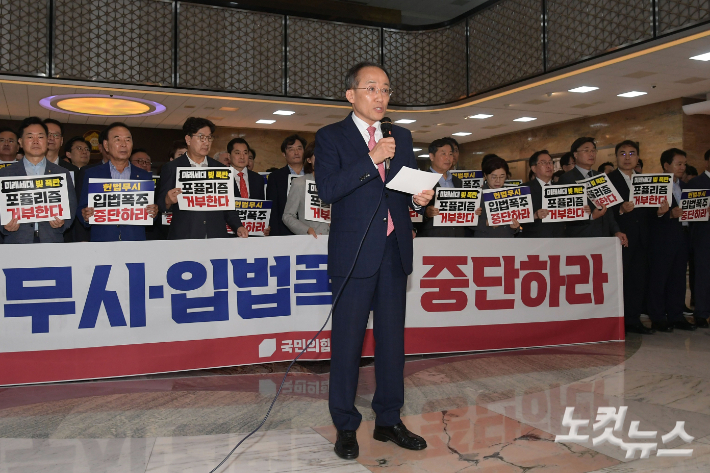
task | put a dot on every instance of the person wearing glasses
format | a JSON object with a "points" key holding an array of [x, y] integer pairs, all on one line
{"points": [[140, 159], [600, 223], [54, 145], [78, 151], [495, 172], [195, 224], [542, 167]]}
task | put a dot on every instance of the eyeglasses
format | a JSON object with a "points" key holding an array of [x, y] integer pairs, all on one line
{"points": [[11, 141], [375, 91], [81, 149], [496, 178], [144, 162], [55, 135], [544, 163], [204, 138], [590, 151]]}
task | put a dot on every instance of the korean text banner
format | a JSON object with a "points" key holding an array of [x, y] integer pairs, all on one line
{"points": [[34, 199], [601, 191], [694, 203], [120, 202], [565, 203], [205, 188], [97, 310], [651, 190], [469, 179], [504, 205], [457, 207], [254, 215], [316, 209]]}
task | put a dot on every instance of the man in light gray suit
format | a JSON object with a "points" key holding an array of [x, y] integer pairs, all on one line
{"points": [[32, 137]]}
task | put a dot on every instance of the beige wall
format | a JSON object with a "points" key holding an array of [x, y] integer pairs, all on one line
{"points": [[656, 127]]}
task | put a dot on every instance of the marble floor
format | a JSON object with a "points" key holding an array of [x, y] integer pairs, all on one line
{"points": [[488, 412]]}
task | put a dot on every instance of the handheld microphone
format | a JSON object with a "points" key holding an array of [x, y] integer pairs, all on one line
{"points": [[386, 127]]}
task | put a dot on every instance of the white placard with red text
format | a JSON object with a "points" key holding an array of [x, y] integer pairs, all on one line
{"points": [[205, 188], [565, 203], [127, 308], [504, 205], [457, 207], [316, 209], [34, 198], [254, 215], [694, 203], [601, 191], [651, 190], [120, 202]]}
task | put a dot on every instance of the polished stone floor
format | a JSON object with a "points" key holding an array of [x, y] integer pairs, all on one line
{"points": [[488, 412]]}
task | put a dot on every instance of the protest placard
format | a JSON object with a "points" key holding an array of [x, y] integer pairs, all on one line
{"points": [[120, 202], [694, 203], [34, 199], [565, 203], [601, 191], [469, 179], [457, 207], [254, 215], [205, 188], [504, 205], [651, 190], [316, 209]]}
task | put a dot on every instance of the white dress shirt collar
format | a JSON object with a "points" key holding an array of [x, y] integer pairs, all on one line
{"points": [[707, 173], [542, 183], [585, 172], [193, 164], [362, 127]]}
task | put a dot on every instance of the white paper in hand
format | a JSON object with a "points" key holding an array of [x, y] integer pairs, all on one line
{"points": [[413, 181]]}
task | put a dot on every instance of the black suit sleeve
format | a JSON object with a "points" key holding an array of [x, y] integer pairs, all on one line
{"points": [[167, 183]]}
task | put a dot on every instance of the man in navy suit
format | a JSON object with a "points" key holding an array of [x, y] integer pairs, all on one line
{"points": [[700, 241], [32, 137], [542, 166], [350, 176], [277, 188], [668, 258], [119, 145]]}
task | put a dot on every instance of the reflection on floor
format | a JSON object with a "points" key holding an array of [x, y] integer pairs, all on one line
{"points": [[489, 412]]}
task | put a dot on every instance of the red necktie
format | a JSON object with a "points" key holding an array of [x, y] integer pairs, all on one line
{"points": [[243, 186], [381, 168]]}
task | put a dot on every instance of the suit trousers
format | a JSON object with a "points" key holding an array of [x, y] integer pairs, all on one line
{"points": [[635, 259], [666, 286], [385, 293], [701, 254]]}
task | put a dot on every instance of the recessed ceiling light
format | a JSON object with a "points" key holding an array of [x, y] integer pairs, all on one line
{"points": [[702, 57], [583, 90], [423, 156], [101, 105], [525, 119], [284, 112], [481, 116], [461, 133], [405, 121], [416, 149], [266, 122], [633, 93], [228, 109]]}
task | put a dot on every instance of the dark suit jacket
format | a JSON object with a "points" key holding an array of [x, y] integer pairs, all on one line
{"points": [[47, 234], [427, 229], [277, 192], [256, 185], [68, 167], [110, 232], [602, 227], [348, 180], [667, 232], [540, 229], [193, 224], [634, 224], [700, 230]]}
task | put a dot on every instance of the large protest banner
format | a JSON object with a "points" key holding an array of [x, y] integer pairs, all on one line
{"points": [[120, 202], [34, 198], [95, 310], [205, 188]]}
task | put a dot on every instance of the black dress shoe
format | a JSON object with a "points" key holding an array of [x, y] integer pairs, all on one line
{"points": [[640, 328], [400, 435], [701, 323], [684, 325], [346, 446], [662, 327]]}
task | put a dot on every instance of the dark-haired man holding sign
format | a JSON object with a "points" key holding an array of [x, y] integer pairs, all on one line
{"points": [[351, 174]]}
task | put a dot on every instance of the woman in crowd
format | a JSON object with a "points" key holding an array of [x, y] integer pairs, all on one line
{"points": [[495, 172], [295, 211]]}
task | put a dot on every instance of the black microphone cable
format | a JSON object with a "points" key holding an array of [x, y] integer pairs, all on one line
{"points": [[335, 301]]}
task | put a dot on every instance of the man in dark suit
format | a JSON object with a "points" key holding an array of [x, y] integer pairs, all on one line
{"points": [[277, 187], [441, 155], [601, 223], [350, 176], [119, 143], [55, 139], [700, 241], [668, 258], [248, 184], [542, 166], [635, 225], [195, 224], [32, 137]]}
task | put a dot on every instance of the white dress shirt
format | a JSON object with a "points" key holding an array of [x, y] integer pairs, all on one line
{"points": [[542, 183], [708, 173], [193, 164]]}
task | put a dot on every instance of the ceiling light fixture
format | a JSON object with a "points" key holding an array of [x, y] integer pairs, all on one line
{"points": [[631, 94], [101, 105], [265, 122], [284, 112], [702, 57], [481, 116], [525, 119], [461, 133], [416, 149], [583, 90], [405, 121], [423, 156]]}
